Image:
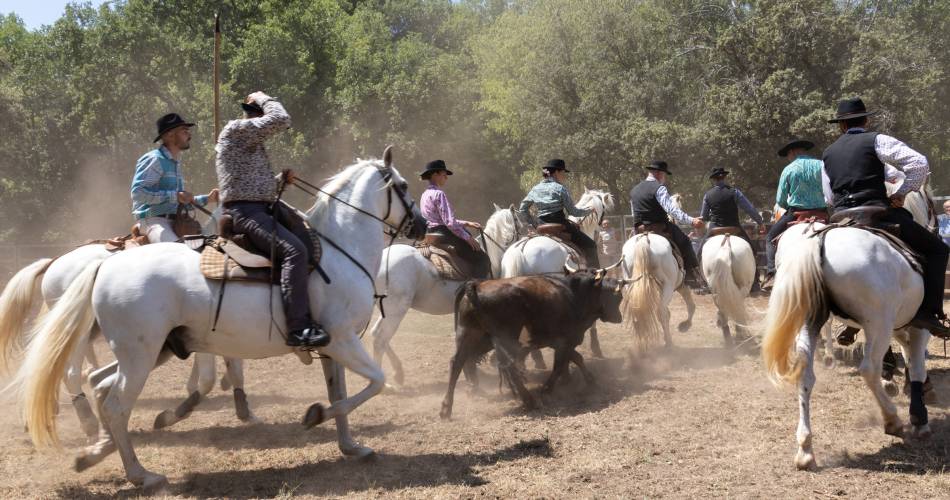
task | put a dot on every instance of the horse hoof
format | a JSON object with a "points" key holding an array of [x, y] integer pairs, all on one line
{"points": [[805, 461], [894, 429], [399, 378], [829, 362], [225, 384], [890, 387], [684, 326], [918, 432], [164, 419], [315, 416], [358, 452], [392, 387], [155, 485]]}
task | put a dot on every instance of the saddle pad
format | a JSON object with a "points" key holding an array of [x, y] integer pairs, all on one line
{"points": [[217, 265], [448, 265]]}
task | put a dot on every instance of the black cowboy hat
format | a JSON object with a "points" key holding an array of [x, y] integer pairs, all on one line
{"points": [[660, 166], [252, 107], [718, 172], [795, 144], [433, 167], [555, 164], [168, 122], [851, 108]]}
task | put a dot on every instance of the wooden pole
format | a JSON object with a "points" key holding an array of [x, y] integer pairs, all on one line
{"points": [[217, 92]]}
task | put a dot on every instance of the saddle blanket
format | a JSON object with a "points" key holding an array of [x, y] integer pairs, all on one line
{"points": [[449, 266]]}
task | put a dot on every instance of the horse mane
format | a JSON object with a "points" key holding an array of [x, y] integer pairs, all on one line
{"points": [[339, 185], [501, 225], [586, 200]]}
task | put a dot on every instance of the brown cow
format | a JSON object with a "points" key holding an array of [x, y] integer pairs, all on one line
{"points": [[516, 315]]}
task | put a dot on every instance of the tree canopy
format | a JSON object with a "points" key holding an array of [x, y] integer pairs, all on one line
{"points": [[493, 87]]}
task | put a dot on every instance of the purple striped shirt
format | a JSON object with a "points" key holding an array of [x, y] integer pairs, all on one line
{"points": [[438, 212]]}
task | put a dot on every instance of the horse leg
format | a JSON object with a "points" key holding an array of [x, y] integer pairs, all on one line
{"points": [[205, 366], [915, 354], [383, 331], [690, 308], [335, 377], [347, 349], [234, 372], [888, 368], [665, 321], [806, 344], [595, 342], [88, 421], [829, 344], [723, 323], [877, 340], [538, 359]]}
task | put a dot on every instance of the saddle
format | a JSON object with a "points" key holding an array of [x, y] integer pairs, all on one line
{"points": [[230, 256], [119, 243], [444, 256], [557, 232], [554, 229], [730, 230], [865, 217], [815, 215], [662, 229]]}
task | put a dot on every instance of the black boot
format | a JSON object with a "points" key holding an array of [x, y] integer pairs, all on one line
{"points": [[846, 336], [313, 336], [935, 323]]}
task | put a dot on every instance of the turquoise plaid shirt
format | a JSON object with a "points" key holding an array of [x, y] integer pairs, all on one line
{"points": [[800, 184], [156, 184], [551, 198]]}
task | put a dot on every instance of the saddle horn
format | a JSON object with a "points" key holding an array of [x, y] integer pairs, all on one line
{"points": [[388, 156]]}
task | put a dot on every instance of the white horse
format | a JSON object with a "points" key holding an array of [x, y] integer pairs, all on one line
{"points": [[648, 263], [859, 275], [542, 255], [413, 282], [49, 279], [147, 297], [729, 267]]}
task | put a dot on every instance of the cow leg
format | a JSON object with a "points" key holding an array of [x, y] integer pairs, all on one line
{"points": [[578, 360], [538, 359], [561, 361], [467, 339], [471, 367], [723, 323], [507, 364], [595, 342]]}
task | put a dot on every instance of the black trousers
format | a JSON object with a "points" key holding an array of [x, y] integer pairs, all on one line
{"points": [[481, 264], [254, 220], [578, 237], [770, 247], [934, 252]]}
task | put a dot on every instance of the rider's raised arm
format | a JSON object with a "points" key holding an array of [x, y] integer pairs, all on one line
{"points": [[274, 119], [892, 151], [663, 196], [569, 206], [748, 207]]}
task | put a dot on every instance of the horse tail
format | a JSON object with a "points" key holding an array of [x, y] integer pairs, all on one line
{"points": [[643, 300], [54, 340], [729, 298], [16, 301], [798, 297]]}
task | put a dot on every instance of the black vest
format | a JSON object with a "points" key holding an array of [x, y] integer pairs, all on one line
{"points": [[855, 172], [723, 209], [646, 209]]}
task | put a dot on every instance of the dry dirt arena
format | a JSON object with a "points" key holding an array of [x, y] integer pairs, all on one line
{"points": [[699, 421]]}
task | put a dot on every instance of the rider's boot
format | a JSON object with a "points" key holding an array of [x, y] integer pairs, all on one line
{"points": [[692, 279], [312, 336], [768, 282], [936, 324], [846, 336]]}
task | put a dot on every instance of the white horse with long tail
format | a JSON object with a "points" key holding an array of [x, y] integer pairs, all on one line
{"points": [[48, 279], [654, 275], [412, 281], [145, 298], [857, 274], [543, 255], [729, 268]]}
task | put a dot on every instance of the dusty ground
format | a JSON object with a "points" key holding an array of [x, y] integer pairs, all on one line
{"points": [[697, 421]]}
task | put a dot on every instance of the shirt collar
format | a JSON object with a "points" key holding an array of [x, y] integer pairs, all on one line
{"points": [[856, 130], [433, 186], [651, 178], [549, 179], [721, 182], [166, 153]]}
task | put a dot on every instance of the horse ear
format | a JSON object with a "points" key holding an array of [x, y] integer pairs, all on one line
{"points": [[512, 206], [497, 208], [388, 156]]}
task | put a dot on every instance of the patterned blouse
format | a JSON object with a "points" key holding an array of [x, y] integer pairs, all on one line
{"points": [[438, 212], [244, 172]]}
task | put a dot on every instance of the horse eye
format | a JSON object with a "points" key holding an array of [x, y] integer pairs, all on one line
{"points": [[404, 185]]}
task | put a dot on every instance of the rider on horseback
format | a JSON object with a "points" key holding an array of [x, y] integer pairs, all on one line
{"points": [[441, 219], [721, 206], [249, 192], [650, 202], [854, 176], [799, 190], [552, 200], [158, 186]]}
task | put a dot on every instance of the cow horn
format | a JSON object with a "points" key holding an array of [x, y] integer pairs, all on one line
{"points": [[568, 269], [599, 274], [615, 264], [388, 156]]}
